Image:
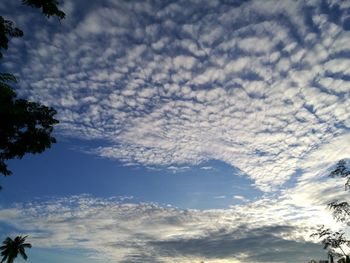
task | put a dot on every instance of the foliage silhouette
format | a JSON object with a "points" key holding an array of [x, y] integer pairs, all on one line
{"points": [[48, 7], [12, 247], [7, 30], [341, 212], [341, 171], [331, 240], [25, 126]]}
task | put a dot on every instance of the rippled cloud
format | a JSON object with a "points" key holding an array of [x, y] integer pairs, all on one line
{"points": [[259, 85]]}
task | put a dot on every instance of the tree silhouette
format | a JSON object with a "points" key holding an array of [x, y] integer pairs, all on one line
{"points": [[25, 126], [331, 240], [341, 210], [341, 171], [7, 30], [11, 248]]}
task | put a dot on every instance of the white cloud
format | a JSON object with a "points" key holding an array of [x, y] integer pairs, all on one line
{"points": [[239, 197], [253, 85], [175, 169], [220, 197], [207, 168], [111, 229], [108, 229]]}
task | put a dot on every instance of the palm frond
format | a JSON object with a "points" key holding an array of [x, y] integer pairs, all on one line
{"points": [[11, 248], [23, 253]]}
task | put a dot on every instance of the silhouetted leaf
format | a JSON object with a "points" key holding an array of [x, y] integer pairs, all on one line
{"points": [[7, 30], [48, 7]]}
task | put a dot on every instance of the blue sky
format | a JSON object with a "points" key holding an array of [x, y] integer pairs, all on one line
{"points": [[62, 171], [189, 130]]}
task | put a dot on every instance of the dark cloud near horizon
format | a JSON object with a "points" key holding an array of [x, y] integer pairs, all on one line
{"points": [[263, 244], [125, 232]]}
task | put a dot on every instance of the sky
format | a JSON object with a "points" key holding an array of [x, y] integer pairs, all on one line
{"points": [[189, 130]]}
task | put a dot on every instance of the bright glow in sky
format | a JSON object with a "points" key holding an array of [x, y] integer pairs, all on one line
{"points": [[189, 130]]}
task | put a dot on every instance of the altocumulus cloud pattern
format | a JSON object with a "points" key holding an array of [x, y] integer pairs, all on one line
{"points": [[260, 85]]}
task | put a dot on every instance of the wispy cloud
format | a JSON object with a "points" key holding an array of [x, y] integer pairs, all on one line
{"points": [[239, 197], [122, 232], [274, 228], [207, 168], [176, 169], [220, 197], [259, 85]]}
